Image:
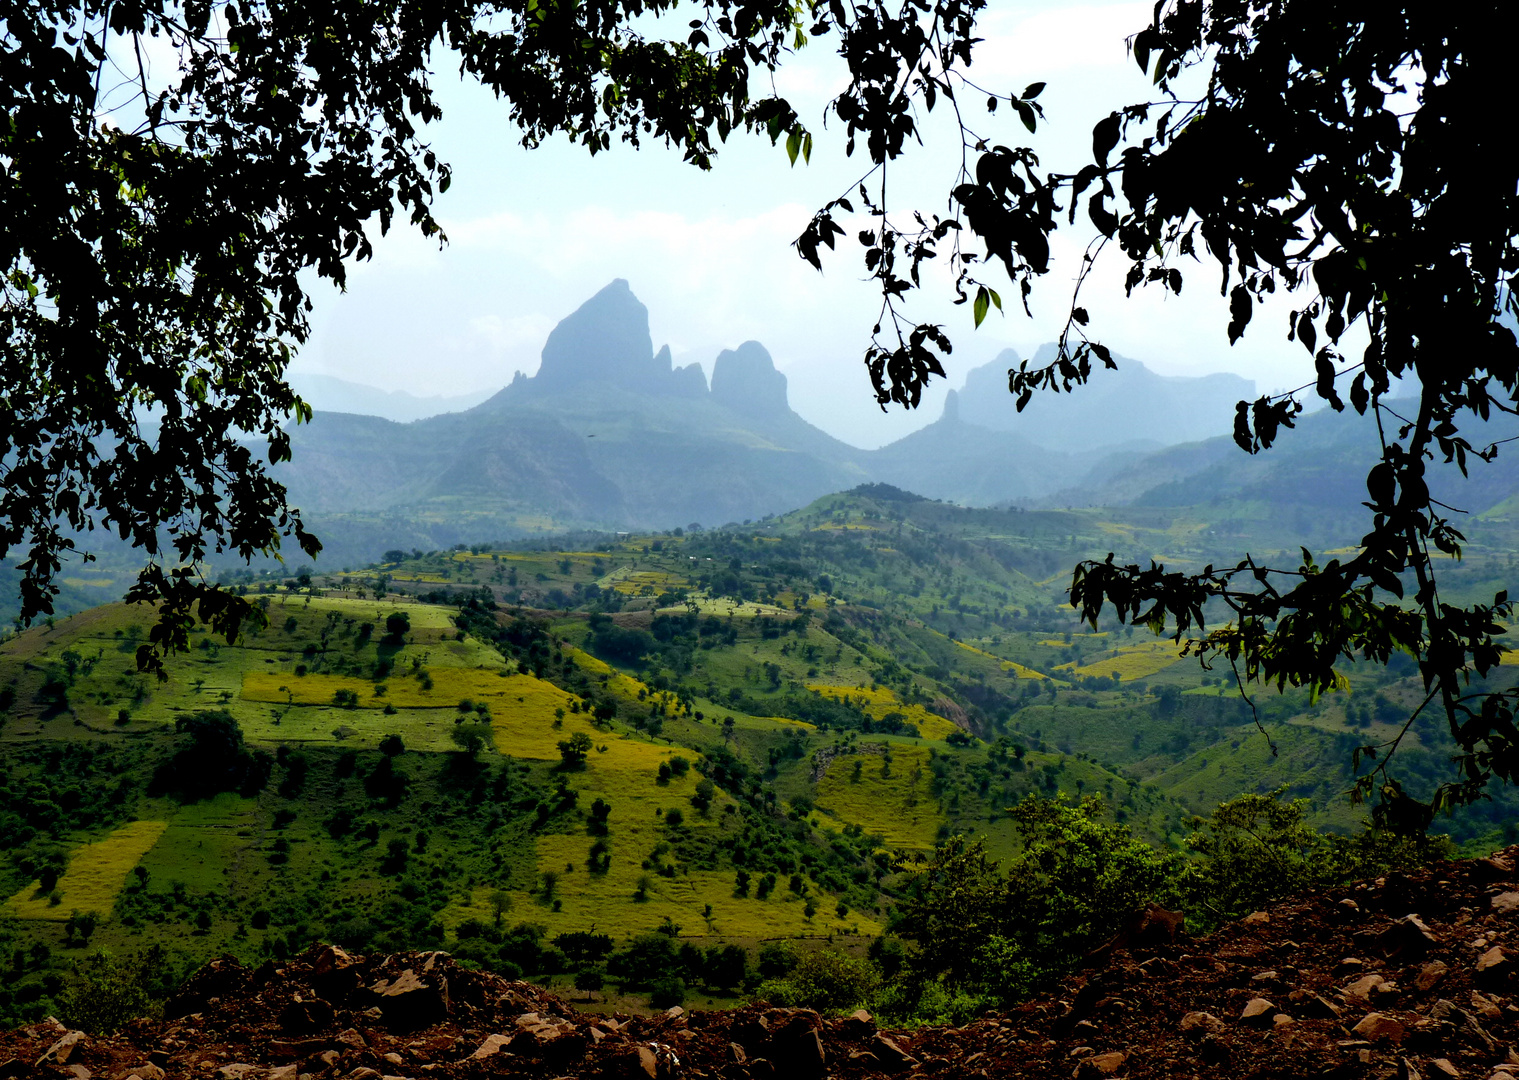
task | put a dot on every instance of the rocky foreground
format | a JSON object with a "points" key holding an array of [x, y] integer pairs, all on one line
{"points": [[1412, 975]]}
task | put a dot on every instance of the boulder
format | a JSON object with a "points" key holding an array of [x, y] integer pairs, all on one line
{"points": [[796, 1048], [1379, 1027], [1097, 1066], [412, 1000], [891, 1056], [303, 1015], [1257, 1012], [1494, 965], [63, 1049], [1197, 1024], [493, 1045], [1506, 903], [1370, 988], [859, 1025], [1406, 940], [1430, 975]]}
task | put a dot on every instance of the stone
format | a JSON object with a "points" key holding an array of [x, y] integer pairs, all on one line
{"points": [[411, 1001], [1494, 965], [1371, 988], [1256, 918], [1319, 1007], [364, 1072], [148, 1071], [1100, 1065], [1407, 1070], [493, 1045], [305, 1015], [891, 1056], [859, 1024], [796, 1048], [1257, 1012], [65, 1048], [736, 1054], [240, 1071], [80, 1072], [1444, 1068], [351, 1039], [283, 1072], [675, 1010], [1351, 965], [1494, 868], [1506, 903], [1407, 939], [1198, 1024], [1430, 975], [1486, 1007], [644, 1063], [1281, 1020], [1379, 1027], [1348, 907]]}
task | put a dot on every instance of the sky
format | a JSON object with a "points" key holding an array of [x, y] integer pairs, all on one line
{"points": [[532, 234]]}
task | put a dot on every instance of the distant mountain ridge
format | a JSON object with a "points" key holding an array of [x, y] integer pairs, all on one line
{"points": [[610, 434], [327, 393]]}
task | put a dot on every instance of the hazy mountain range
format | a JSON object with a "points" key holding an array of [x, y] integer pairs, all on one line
{"points": [[609, 434]]}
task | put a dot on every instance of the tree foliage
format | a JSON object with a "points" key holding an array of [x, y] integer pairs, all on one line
{"points": [[1002, 933], [1341, 153], [154, 238]]}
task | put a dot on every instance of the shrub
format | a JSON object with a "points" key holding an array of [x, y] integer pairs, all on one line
{"points": [[667, 992], [825, 980]]}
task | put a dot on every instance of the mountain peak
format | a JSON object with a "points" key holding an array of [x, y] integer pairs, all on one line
{"points": [[745, 380], [605, 340]]}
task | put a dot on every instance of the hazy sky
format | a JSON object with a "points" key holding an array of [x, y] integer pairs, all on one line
{"points": [[532, 234]]}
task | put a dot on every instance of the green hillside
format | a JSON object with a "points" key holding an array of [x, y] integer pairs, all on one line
{"points": [[544, 758]]}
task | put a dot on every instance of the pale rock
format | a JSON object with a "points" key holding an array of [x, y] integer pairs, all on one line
{"points": [[1370, 988], [646, 1062], [60, 1052], [1198, 1024], [80, 1072], [393, 1058], [1486, 1007], [1506, 903], [891, 1055], [675, 1010], [1257, 1011], [1351, 965], [1281, 1020], [1494, 964], [1379, 1027], [241, 1071], [283, 1072], [859, 1024], [1100, 1065], [1445, 1068], [1430, 975], [1256, 918], [352, 1039], [493, 1044]]}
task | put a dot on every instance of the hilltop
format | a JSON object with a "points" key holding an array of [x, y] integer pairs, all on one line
{"points": [[1410, 975]]}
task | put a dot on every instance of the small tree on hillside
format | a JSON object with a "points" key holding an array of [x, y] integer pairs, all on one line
{"points": [[573, 751]]}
